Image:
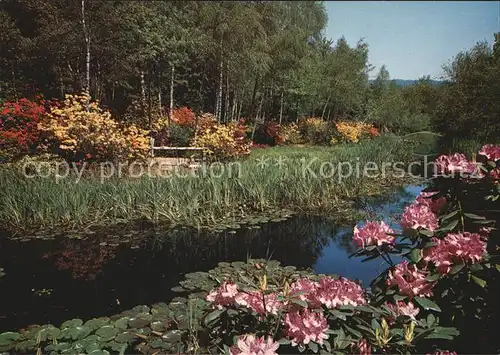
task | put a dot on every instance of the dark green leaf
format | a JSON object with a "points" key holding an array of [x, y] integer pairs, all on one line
{"points": [[427, 304], [212, 316], [456, 268], [478, 281]]}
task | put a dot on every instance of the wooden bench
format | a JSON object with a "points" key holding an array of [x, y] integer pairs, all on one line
{"points": [[164, 148]]}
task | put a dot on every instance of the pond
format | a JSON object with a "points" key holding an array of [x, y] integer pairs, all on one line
{"points": [[49, 281]]}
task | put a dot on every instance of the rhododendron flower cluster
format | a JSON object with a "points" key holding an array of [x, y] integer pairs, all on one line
{"points": [[334, 293], [224, 295], [251, 345], [425, 199], [456, 163], [372, 233], [305, 326], [363, 347], [404, 309], [328, 291], [410, 281], [490, 151], [256, 301], [454, 249], [418, 216]]}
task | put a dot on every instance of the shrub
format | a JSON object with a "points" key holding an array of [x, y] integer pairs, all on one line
{"points": [[19, 127], [76, 134], [183, 116], [312, 129], [353, 132], [291, 134], [269, 133], [222, 141]]}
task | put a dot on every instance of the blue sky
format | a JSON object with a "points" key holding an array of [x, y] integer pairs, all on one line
{"points": [[413, 38]]}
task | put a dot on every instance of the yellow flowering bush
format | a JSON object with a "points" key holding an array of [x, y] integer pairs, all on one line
{"points": [[221, 141], [313, 129], [291, 134], [76, 134], [353, 131]]}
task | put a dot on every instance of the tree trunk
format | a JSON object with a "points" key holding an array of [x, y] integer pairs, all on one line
{"points": [[328, 119], [233, 108], [226, 103], [239, 111], [171, 107], [281, 107], [218, 104], [324, 108], [257, 116], [150, 99], [252, 105], [143, 89], [87, 48]]}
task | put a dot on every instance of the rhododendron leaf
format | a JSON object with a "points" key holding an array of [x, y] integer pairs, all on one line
{"points": [[426, 232], [427, 304], [476, 267], [353, 331], [478, 281], [212, 316], [232, 312], [486, 221], [299, 302], [400, 297], [301, 348], [433, 277], [450, 226], [473, 216], [416, 255], [497, 266], [375, 324], [284, 341], [449, 215], [338, 314], [431, 319], [456, 268], [313, 347]]}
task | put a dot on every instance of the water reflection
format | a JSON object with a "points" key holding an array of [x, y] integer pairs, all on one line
{"points": [[95, 277]]}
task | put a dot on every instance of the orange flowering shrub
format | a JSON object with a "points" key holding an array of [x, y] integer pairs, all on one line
{"points": [[77, 134], [183, 116], [354, 131], [221, 141]]}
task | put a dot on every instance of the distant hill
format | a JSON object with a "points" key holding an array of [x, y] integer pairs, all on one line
{"points": [[408, 82]]}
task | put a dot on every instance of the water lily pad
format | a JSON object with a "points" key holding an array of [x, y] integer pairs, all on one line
{"points": [[107, 333], [172, 336], [8, 339], [48, 333], [97, 323], [158, 344], [138, 322], [99, 352], [126, 337], [74, 333], [122, 323], [72, 323]]}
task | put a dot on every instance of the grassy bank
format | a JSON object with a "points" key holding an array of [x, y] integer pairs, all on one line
{"points": [[303, 183]]}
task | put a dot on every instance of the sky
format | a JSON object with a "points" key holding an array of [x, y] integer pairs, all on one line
{"points": [[413, 38]]}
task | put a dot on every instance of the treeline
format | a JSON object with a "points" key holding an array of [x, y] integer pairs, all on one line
{"points": [[262, 60]]}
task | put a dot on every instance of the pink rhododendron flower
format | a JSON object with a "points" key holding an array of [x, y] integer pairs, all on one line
{"points": [[485, 232], [419, 216], [341, 292], [404, 309], [425, 199], [372, 233], [363, 347], [305, 290], [224, 295], [490, 151], [456, 163], [455, 249], [410, 281], [305, 326], [251, 345], [255, 300], [495, 173]]}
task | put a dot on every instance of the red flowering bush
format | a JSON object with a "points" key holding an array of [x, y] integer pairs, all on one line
{"points": [[19, 127], [269, 133], [183, 116]]}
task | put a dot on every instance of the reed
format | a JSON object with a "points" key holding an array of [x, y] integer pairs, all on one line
{"points": [[202, 200]]}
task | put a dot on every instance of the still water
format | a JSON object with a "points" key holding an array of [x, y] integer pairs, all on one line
{"points": [[49, 281]]}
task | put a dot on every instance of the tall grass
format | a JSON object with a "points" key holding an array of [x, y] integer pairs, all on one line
{"points": [[31, 203]]}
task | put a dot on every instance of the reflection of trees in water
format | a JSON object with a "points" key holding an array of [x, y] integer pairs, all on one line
{"points": [[297, 241], [84, 258]]}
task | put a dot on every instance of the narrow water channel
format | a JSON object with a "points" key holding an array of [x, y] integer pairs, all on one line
{"points": [[49, 281]]}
